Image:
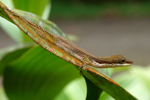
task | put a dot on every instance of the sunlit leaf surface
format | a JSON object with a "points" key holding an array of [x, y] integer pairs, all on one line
{"points": [[37, 75]]}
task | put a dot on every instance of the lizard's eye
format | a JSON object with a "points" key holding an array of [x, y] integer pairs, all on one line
{"points": [[123, 60]]}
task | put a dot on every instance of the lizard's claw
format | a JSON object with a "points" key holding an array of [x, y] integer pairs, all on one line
{"points": [[83, 69]]}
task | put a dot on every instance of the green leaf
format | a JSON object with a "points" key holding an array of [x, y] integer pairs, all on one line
{"points": [[75, 90], [17, 37], [34, 6], [2, 93], [15, 34], [3, 14], [28, 5], [136, 80], [37, 75], [45, 24], [10, 55], [93, 92], [109, 86]]}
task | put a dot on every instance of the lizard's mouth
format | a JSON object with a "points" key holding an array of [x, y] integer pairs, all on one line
{"points": [[128, 62], [112, 65]]}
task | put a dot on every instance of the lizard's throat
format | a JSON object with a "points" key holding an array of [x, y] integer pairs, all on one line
{"points": [[108, 65]]}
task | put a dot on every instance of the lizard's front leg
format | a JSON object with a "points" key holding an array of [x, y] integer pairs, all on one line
{"points": [[83, 67]]}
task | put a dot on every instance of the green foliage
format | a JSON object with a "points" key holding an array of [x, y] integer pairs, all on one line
{"points": [[10, 57], [27, 5], [31, 6], [27, 78], [136, 80], [76, 10], [93, 92]]}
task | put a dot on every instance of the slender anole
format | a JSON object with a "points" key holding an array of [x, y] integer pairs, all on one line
{"points": [[75, 51], [82, 55], [89, 59]]}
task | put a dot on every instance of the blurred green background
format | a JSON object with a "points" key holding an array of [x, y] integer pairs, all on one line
{"points": [[84, 9], [104, 28]]}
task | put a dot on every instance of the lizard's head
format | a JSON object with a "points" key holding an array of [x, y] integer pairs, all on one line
{"points": [[119, 59], [113, 61]]}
